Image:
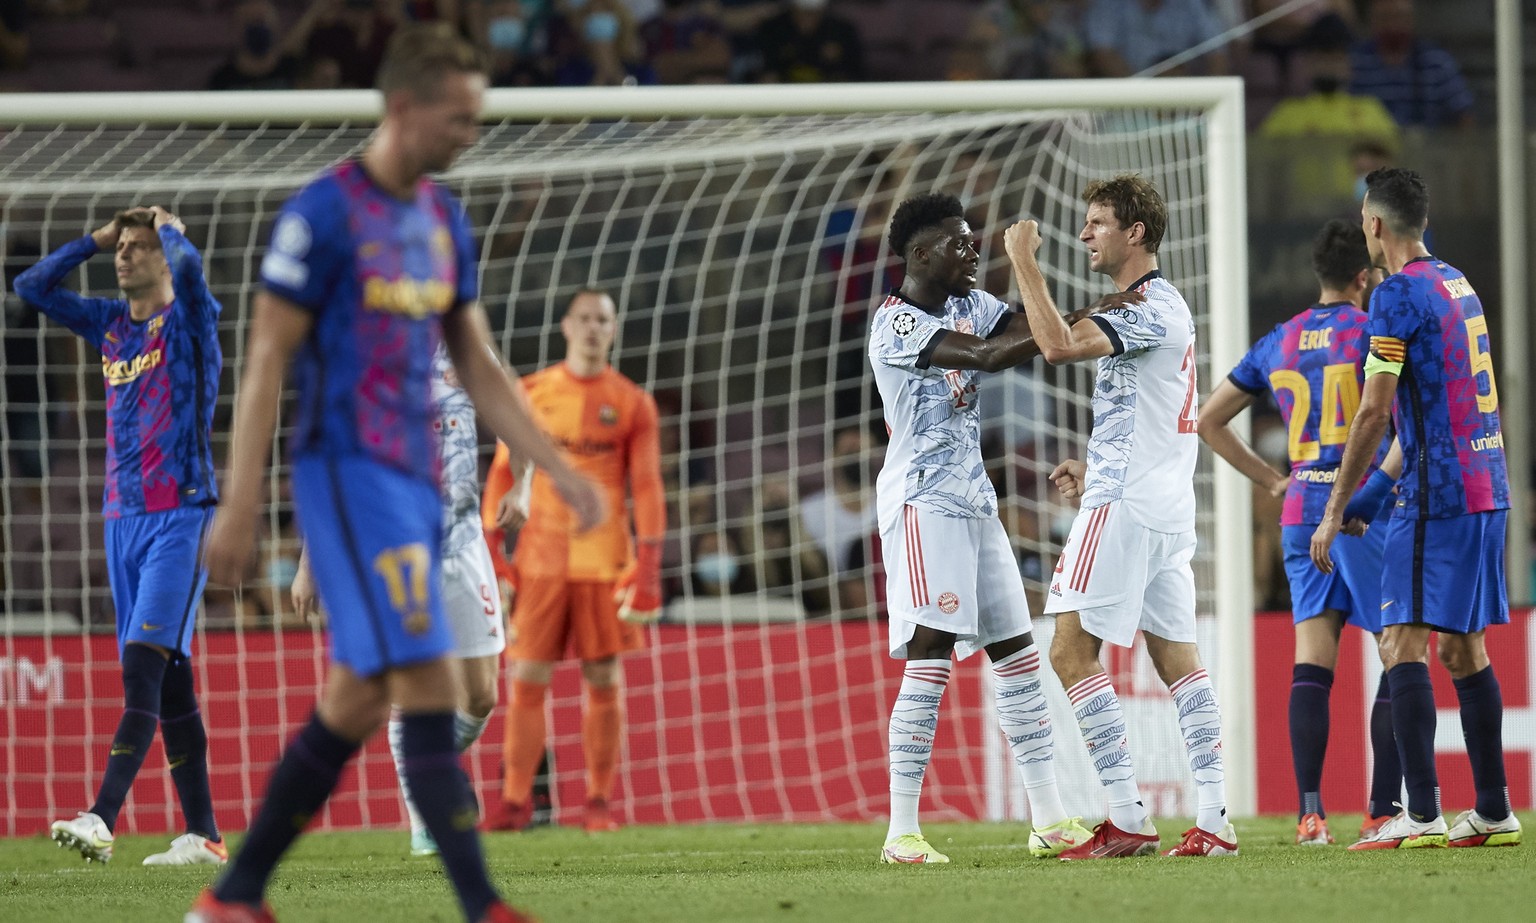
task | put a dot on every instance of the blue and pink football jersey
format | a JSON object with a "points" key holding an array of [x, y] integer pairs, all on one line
{"points": [[378, 273], [1428, 318], [1314, 364], [161, 376]]}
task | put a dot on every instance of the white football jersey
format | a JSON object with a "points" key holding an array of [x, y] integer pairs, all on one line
{"points": [[1144, 445], [460, 448], [934, 459]]}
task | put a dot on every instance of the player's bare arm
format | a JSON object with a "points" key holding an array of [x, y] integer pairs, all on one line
{"points": [[278, 328], [1015, 345], [1216, 413], [1057, 339], [467, 335], [1365, 434]]}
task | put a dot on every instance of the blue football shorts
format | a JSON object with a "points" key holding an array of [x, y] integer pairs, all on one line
{"points": [[1353, 588], [374, 537], [155, 564], [1446, 573]]}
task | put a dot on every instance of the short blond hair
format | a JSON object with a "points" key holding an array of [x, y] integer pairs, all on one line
{"points": [[420, 55]]}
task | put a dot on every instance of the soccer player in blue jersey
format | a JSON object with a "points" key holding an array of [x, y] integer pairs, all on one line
{"points": [[370, 266], [1444, 550], [160, 359], [1314, 364]]}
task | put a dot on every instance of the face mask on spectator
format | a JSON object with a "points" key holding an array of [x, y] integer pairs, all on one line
{"points": [[1360, 188], [810, 4], [601, 27], [506, 33], [716, 569], [575, 5], [258, 38], [853, 471]]}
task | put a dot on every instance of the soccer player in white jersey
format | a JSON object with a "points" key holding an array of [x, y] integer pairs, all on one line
{"points": [[928, 343], [1126, 564], [471, 596]]}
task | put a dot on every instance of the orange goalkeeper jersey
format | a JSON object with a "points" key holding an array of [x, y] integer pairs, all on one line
{"points": [[607, 428]]}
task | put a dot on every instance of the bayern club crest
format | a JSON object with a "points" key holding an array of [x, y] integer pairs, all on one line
{"points": [[904, 323], [948, 603]]}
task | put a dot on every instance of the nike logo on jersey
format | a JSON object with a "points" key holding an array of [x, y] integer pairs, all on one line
{"points": [[148, 627], [1387, 603]]}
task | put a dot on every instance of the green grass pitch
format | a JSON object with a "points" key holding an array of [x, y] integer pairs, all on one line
{"points": [[799, 872]]}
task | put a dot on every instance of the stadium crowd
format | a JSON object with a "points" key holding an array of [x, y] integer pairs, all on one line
{"points": [[1358, 76]]}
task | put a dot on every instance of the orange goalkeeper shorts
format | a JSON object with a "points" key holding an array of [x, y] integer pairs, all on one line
{"points": [[552, 616]]}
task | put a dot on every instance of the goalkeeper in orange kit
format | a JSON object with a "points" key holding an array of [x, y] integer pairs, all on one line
{"points": [[583, 595]]}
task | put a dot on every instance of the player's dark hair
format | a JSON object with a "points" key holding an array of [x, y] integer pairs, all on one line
{"points": [[420, 55], [1132, 199], [918, 214], [1400, 198], [1338, 253], [134, 218]]}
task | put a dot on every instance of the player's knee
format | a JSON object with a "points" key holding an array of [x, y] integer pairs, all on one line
{"points": [[480, 700], [1460, 656], [533, 671], [601, 673], [1069, 663], [1398, 647]]}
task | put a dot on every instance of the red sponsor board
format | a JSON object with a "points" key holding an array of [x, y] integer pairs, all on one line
{"points": [[1346, 771], [771, 723]]}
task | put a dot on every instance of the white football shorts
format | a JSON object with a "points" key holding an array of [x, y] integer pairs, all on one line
{"points": [[473, 602], [1120, 576], [955, 575]]}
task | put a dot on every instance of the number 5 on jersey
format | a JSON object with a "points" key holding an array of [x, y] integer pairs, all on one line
{"points": [[1482, 362]]}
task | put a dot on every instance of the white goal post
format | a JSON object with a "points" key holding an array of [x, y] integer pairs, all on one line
{"points": [[735, 226]]}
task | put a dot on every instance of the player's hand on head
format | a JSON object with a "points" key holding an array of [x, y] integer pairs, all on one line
{"points": [[581, 495], [106, 236], [163, 218], [230, 554]]}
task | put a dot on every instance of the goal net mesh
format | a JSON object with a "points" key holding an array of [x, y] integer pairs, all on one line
{"points": [[745, 254]]}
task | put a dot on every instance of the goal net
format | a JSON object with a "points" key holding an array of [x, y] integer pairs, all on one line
{"points": [[741, 232]]}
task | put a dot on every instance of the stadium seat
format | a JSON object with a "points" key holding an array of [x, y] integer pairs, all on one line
{"points": [[91, 37]]}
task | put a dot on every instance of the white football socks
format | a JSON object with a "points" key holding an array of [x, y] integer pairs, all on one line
{"points": [[397, 750], [1025, 720], [914, 720], [1200, 722], [1102, 722], [467, 729]]}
